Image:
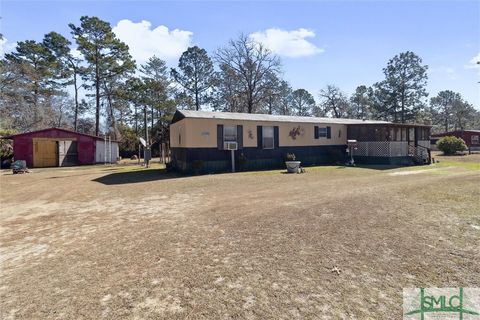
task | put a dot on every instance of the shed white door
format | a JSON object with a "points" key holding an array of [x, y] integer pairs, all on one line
{"points": [[106, 152]]}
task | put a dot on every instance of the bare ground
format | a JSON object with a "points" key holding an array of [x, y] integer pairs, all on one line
{"points": [[334, 243]]}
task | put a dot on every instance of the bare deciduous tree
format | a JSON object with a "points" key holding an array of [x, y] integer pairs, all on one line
{"points": [[251, 64], [334, 102]]}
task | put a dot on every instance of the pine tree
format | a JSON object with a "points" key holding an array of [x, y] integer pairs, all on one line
{"points": [[108, 59]]}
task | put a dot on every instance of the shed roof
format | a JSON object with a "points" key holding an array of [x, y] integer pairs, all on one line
{"points": [[454, 132], [50, 129], [181, 114]]}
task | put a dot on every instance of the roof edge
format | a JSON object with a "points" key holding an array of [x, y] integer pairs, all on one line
{"points": [[54, 128], [193, 114]]}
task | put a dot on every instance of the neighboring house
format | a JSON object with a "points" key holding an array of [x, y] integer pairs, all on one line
{"points": [[471, 137], [55, 147], [201, 141]]}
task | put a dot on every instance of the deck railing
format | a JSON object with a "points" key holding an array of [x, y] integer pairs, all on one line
{"points": [[381, 148], [421, 154], [387, 148]]}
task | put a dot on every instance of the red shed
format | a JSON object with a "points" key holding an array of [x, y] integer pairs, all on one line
{"points": [[55, 147], [471, 137]]}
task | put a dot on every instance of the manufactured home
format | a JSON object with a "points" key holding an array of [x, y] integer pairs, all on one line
{"points": [[207, 142], [55, 147]]}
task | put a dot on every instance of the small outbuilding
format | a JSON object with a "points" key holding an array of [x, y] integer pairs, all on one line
{"points": [[206, 141], [471, 137], [56, 147]]}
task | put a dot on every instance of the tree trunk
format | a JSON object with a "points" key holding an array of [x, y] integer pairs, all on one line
{"points": [[197, 103], [75, 121], [35, 106], [403, 108], [446, 120], [250, 106], [136, 121], [145, 122], [97, 99], [112, 116], [153, 116], [335, 112]]}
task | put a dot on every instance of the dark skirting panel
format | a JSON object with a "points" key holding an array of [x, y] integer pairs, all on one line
{"points": [[212, 160]]}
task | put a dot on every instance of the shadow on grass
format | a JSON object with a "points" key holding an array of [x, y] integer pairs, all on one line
{"points": [[137, 176], [381, 166]]}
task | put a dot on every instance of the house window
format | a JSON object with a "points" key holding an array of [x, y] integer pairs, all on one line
{"points": [[322, 132], [267, 134], [229, 133], [474, 140]]}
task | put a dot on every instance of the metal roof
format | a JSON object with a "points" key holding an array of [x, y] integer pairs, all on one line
{"points": [[454, 132], [53, 129], [180, 114]]}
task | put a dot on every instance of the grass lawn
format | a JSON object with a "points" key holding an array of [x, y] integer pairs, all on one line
{"points": [[115, 242]]}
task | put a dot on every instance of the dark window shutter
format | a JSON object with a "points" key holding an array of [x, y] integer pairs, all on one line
{"points": [[315, 132], [275, 137], [259, 137], [220, 136], [240, 137], [329, 132]]}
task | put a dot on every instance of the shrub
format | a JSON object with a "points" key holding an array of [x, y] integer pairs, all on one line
{"points": [[450, 145], [242, 161], [6, 147], [290, 157]]}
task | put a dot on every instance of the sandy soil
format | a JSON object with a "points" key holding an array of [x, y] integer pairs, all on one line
{"points": [[334, 243]]}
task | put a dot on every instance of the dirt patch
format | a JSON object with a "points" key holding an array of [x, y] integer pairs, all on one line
{"points": [[75, 244]]}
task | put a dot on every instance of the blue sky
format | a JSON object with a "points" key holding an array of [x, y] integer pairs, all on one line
{"points": [[344, 43]]}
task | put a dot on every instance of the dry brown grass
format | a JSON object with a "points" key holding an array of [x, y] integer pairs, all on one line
{"points": [[334, 243]]}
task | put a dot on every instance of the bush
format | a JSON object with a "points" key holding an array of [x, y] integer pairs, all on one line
{"points": [[242, 161], [6, 147], [450, 145], [290, 157]]}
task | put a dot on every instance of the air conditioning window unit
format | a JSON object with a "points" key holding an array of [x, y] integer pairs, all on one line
{"points": [[230, 145]]}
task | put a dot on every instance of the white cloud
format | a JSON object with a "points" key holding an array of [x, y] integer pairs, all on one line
{"points": [[473, 63], [144, 42], [6, 47], [292, 43]]}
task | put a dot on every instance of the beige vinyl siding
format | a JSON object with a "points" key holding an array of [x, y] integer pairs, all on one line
{"points": [[202, 133], [178, 137], [307, 134]]}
